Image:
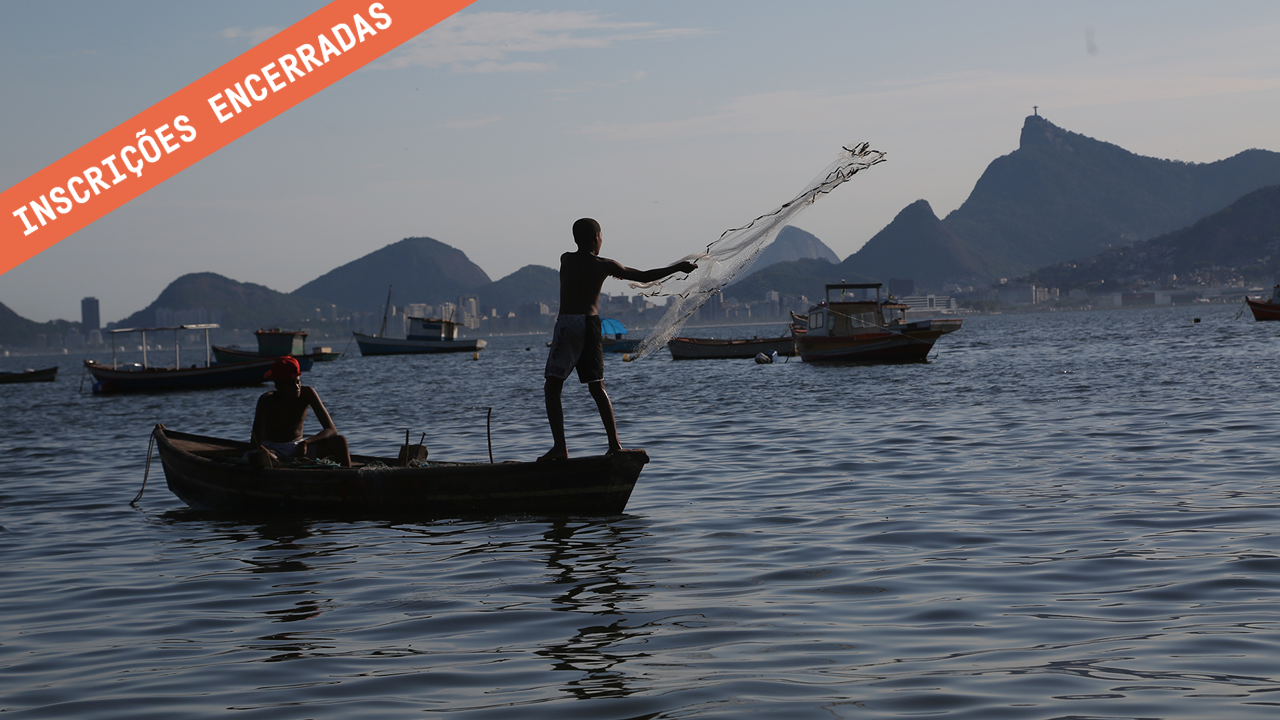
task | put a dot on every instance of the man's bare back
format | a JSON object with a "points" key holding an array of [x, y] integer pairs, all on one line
{"points": [[582, 274]]}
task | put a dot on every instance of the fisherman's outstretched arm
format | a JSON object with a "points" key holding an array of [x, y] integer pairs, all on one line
{"points": [[619, 270]]}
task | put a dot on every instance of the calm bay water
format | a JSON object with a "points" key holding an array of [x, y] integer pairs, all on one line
{"points": [[1071, 515]]}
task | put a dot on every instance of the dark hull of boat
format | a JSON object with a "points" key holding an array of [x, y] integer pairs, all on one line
{"points": [[108, 380], [620, 346], [208, 474], [910, 345], [29, 376], [370, 345], [713, 349], [1263, 310], [232, 355]]}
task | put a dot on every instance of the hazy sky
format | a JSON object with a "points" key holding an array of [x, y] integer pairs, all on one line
{"points": [[667, 121]]}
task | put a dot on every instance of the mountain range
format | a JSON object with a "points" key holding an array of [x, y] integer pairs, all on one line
{"points": [[1063, 209], [1059, 197]]}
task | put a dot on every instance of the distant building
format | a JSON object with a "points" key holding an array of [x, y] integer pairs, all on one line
{"points": [[470, 307], [1018, 294], [533, 314], [928, 302], [418, 310], [712, 309], [89, 319]]}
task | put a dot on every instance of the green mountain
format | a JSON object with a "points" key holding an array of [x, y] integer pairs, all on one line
{"points": [[1240, 243], [239, 305], [531, 283], [915, 245], [421, 269], [1060, 196], [797, 278]]}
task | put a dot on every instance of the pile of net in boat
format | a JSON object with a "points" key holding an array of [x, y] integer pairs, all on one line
{"points": [[735, 250]]}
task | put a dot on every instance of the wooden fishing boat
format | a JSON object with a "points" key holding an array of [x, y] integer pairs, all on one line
{"points": [[687, 348], [1268, 309], [859, 326], [273, 343], [29, 376], [211, 474], [142, 377], [426, 335], [236, 355]]}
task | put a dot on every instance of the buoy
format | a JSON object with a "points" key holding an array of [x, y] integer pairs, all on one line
{"points": [[626, 357], [475, 356], [1195, 320], [762, 359]]}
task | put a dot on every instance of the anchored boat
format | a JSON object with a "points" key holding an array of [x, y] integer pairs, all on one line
{"points": [[687, 348], [426, 335], [611, 332], [29, 376], [276, 343], [143, 377], [1268, 309], [857, 325]]}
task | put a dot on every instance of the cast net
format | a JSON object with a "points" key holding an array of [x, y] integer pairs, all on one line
{"points": [[735, 250]]}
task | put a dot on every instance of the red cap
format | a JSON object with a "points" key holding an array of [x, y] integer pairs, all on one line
{"points": [[284, 368]]}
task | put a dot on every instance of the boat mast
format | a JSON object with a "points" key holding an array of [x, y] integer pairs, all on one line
{"points": [[385, 308]]}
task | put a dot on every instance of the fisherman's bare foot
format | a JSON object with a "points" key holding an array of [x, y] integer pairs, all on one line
{"points": [[555, 454]]}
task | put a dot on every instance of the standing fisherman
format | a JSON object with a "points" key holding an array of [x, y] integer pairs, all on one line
{"points": [[576, 341]]}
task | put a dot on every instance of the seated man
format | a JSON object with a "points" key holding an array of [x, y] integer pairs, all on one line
{"points": [[277, 421]]}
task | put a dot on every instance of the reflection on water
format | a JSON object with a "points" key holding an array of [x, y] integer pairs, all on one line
{"points": [[591, 576], [1069, 515]]}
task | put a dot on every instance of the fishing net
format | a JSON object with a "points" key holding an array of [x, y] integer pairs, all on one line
{"points": [[735, 250]]}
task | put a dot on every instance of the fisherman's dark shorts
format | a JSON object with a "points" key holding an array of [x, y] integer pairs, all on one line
{"points": [[576, 344]]}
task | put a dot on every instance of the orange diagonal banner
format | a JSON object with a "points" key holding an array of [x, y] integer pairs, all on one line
{"points": [[208, 114]]}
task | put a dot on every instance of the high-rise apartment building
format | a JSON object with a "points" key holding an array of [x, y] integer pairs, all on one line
{"points": [[89, 319]]}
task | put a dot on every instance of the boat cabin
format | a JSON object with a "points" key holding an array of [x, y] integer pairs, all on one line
{"points": [[856, 308], [277, 343], [432, 329]]}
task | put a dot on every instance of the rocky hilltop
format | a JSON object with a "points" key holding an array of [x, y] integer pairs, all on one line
{"points": [[1059, 197]]}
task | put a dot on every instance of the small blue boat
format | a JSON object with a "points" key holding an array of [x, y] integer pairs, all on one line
{"points": [[611, 332]]}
